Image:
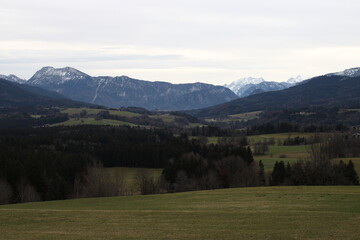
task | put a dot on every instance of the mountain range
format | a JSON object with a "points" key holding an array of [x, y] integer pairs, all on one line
{"points": [[123, 91], [341, 89], [248, 86]]}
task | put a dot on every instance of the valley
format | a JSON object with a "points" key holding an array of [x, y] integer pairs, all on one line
{"points": [[184, 120], [245, 162]]}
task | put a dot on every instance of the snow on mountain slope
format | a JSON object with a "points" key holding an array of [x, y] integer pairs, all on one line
{"points": [[50, 75], [248, 86], [12, 78], [295, 80], [238, 85], [351, 72], [127, 92]]}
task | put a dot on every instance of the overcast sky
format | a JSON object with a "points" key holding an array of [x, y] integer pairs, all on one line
{"points": [[181, 40]]}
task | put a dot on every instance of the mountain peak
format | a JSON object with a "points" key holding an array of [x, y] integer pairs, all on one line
{"points": [[56, 75], [238, 84], [351, 72], [295, 80], [12, 78], [250, 80]]}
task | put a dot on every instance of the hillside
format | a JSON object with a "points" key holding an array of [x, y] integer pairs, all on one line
{"points": [[123, 91], [243, 213], [328, 91], [12, 78], [18, 95]]}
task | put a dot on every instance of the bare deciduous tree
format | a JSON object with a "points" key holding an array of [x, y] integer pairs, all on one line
{"points": [[146, 183], [28, 193], [99, 182], [5, 192]]}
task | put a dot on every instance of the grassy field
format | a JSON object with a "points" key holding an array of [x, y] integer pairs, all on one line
{"points": [[276, 153], [244, 213], [93, 121], [281, 136], [72, 111], [282, 153], [245, 116], [165, 117], [237, 117], [130, 174], [88, 118]]}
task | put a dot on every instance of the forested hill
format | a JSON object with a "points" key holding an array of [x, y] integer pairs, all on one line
{"points": [[327, 91], [18, 95]]}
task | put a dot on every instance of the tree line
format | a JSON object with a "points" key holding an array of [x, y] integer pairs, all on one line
{"points": [[67, 162]]}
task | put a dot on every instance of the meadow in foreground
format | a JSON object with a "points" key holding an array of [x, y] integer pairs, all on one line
{"points": [[242, 213]]}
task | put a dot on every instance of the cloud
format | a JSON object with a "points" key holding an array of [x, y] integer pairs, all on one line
{"points": [[181, 41]]}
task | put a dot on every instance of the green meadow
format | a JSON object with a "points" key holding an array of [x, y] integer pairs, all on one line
{"points": [[72, 111], [277, 213], [93, 121]]}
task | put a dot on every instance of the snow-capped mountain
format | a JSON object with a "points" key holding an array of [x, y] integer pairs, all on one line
{"points": [[57, 76], [12, 78], [249, 86], [335, 90], [351, 72], [125, 92], [295, 80], [239, 86]]}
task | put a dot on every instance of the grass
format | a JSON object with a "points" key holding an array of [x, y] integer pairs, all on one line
{"points": [[269, 162], [279, 152], [281, 136], [244, 213], [295, 151], [93, 121], [237, 117], [245, 116], [210, 140], [167, 118], [292, 153], [36, 116], [73, 111]]}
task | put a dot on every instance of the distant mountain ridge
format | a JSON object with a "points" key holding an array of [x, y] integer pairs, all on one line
{"points": [[352, 72], [12, 78], [127, 92], [341, 89], [248, 86]]}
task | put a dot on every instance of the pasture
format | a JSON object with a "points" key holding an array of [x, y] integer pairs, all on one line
{"points": [[93, 121], [326, 212]]}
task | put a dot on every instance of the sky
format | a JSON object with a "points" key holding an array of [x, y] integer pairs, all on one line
{"points": [[181, 41]]}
